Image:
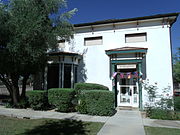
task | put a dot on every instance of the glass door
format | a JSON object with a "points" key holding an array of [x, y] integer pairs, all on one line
{"points": [[127, 92]]}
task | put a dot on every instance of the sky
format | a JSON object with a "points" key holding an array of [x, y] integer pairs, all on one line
{"points": [[95, 10]]}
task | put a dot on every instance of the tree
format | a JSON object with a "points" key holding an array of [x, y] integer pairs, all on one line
{"points": [[28, 28], [176, 67]]}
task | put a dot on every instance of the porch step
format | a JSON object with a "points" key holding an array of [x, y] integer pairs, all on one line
{"points": [[126, 108]]}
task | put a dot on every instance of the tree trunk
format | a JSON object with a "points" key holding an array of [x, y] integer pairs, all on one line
{"points": [[15, 96], [25, 78], [15, 89], [6, 82]]}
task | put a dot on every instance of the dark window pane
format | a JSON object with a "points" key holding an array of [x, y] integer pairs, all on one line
{"points": [[53, 76], [67, 76]]}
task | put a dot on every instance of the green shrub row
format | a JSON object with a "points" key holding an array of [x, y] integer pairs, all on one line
{"points": [[37, 99], [96, 102], [87, 101], [59, 98], [62, 99]]}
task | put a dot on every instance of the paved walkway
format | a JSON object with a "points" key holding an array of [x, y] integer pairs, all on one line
{"points": [[161, 123], [29, 113], [124, 122]]}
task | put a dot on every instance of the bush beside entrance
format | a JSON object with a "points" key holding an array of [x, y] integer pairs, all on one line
{"points": [[96, 102], [163, 108]]}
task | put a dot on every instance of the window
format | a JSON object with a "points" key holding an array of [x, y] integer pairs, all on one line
{"points": [[67, 75], [61, 44], [53, 76], [93, 41], [136, 37]]}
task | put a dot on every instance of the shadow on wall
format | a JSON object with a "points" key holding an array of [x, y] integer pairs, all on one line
{"points": [[63, 127], [81, 73]]}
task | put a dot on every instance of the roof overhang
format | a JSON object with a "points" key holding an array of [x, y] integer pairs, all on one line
{"points": [[170, 18], [62, 53], [126, 50]]}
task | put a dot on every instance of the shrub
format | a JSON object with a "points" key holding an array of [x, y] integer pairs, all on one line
{"points": [[177, 103], [90, 86], [163, 107], [164, 114], [23, 103], [97, 102], [62, 99], [81, 107], [37, 99], [158, 113]]}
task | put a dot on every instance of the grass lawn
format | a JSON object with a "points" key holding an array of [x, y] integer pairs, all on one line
{"points": [[161, 131], [15, 126]]}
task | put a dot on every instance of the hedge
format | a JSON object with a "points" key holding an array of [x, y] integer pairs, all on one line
{"points": [[62, 99], [177, 103], [96, 102], [37, 99], [90, 86]]}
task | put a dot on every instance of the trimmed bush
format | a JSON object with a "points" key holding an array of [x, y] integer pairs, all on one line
{"points": [[177, 103], [62, 99], [81, 107], [158, 113], [97, 102], [37, 99], [90, 86]]}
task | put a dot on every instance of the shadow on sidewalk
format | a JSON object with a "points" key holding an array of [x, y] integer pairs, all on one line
{"points": [[64, 127]]}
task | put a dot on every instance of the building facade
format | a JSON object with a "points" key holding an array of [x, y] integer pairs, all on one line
{"points": [[120, 54]]}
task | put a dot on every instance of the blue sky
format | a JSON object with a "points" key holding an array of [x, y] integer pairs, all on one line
{"points": [[94, 10]]}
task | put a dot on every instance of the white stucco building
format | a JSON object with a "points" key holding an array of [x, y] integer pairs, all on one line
{"points": [[132, 50]]}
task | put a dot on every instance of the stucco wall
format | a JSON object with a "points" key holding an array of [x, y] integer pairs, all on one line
{"points": [[158, 58]]}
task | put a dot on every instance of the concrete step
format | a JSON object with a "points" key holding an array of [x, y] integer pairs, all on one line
{"points": [[126, 108]]}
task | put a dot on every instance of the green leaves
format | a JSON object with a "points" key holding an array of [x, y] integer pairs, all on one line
{"points": [[27, 31], [96, 102], [176, 66], [176, 71], [62, 99]]}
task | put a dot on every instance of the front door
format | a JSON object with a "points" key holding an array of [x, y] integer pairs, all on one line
{"points": [[128, 94]]}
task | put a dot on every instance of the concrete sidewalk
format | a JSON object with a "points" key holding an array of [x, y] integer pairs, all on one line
{"points": [[31, 114], [161, 123], [124, 122]]}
